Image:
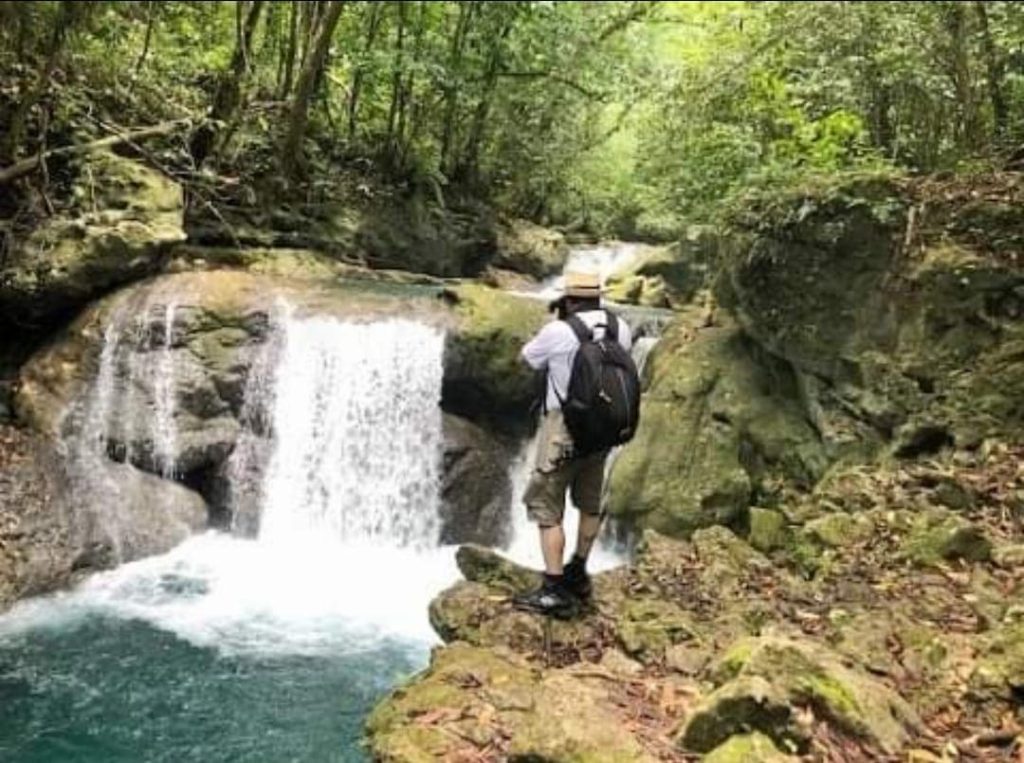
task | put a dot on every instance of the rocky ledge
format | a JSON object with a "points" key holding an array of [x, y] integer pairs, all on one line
{"points": [[873, 635]]}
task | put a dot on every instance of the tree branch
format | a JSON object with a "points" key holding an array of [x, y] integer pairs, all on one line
{"points": [[594, 95], [25, 166]]}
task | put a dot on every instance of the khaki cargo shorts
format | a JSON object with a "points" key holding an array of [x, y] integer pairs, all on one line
{"points": [[557, 471]]}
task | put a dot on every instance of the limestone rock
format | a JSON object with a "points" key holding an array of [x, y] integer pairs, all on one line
{"points": [[528, 248], [484, 565], [939, 535], [768, 530], [476, 492], [485, 379], [715, 423], [127, 217], [748, 748], [764, 676], [748, 703], [839, 529], [471, 698]]}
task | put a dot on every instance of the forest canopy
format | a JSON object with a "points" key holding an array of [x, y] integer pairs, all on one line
{"points": [[625, 118]]}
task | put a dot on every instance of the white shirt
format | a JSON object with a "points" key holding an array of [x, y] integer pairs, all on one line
{"points": [[553, 349]]}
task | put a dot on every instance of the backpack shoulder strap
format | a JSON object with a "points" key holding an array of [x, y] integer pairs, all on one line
{"points": [[579, 328], [611, 329]]}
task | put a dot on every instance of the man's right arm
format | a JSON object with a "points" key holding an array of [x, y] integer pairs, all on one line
{"points": [[545, 344]]}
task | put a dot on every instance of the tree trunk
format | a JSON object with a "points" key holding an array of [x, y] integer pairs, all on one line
{"points": [[150, 23], [451, 91], [960, 73], [396, 82], [357, 75], [292, 50], [291, 148], [16, 131], [407, 129], [994, 71], [470, 159], [229, 96]]}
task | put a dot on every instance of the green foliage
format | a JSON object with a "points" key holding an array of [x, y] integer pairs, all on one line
{"points": [[619, 118]]}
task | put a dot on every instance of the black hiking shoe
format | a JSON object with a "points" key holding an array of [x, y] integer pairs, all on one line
{"points": [[576, 579], [548, 599]]}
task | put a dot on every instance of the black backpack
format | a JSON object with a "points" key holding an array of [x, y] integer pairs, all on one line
{"points": [[602, 408]]}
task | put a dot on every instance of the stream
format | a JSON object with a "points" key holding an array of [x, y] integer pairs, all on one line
{"points": [[271, 648]]}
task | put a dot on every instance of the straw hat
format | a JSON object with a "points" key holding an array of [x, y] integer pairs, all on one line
{"points": [[582, 285]]}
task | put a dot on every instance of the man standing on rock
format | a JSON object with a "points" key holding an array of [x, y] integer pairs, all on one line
{"points": [[591, 402]]}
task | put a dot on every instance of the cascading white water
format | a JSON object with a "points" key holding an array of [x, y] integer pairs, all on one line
{"points": [[357, 423], [347, 557], [603, 259]]}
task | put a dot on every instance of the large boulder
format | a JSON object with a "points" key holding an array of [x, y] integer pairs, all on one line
{"points": [[50, 528], [526, 247], [473, 699], [123, 219], [762, 680], [476, 493], [485, 379], [719, 422]]}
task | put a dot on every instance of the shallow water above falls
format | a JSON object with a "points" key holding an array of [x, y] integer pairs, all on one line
{"points": [[269, 649]]}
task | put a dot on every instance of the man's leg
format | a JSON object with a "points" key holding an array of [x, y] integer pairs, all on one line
{"points": [[590, 527], [552, 545], [587, 487]]}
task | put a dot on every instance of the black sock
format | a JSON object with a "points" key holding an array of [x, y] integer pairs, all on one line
{"points": [[552, 581], [581, 561]]}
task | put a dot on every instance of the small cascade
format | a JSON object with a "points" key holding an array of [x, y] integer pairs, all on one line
{"points": [[128, 415], [603, 259], [165, 387], [357, 430]]}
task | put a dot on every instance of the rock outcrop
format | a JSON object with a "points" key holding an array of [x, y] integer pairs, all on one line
{"points": [[708, 647], [123, 219]]}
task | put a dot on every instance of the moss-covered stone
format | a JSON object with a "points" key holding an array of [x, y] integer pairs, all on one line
{"points": [[648, 627], [748, 703], [528, 248], [795, 673], [768, 530], [484, 375], [748, 748], [716, 425], [839, 529], [128, 216], [472, 697], [939, 535]]}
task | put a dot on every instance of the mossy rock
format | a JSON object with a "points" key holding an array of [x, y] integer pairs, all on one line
{"points": [[839, 529], [648, 627], [797, 673], [128, 216], [485, 377], [769, 530], [471, 698], [749, 703], [938, 535], [748, 748], [717, 420], [999, 672], [526, 247]]}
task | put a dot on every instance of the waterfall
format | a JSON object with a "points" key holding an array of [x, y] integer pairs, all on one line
{"points": [[341, 451], [603, 259], [357, 430]]}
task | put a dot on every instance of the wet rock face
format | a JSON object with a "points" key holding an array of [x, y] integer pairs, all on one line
{"points": [[124, 219], [158, 376], [49, 531], [476, 492]]}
